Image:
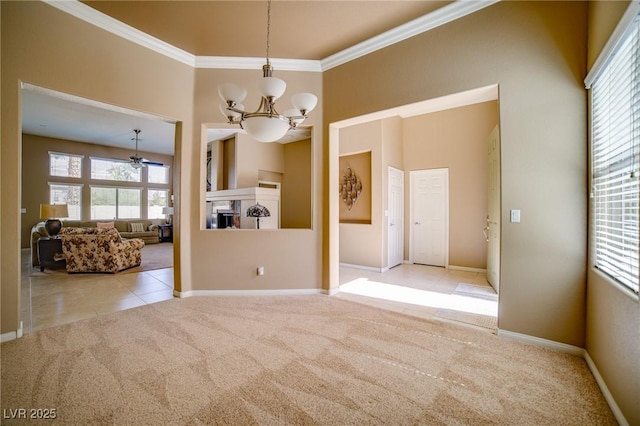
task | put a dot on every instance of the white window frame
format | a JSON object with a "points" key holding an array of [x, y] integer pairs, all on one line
{"points": [[117, 188], [166, 174], [137, 172], [70, 206], [615, 145], [81, 157], [161, 215]]}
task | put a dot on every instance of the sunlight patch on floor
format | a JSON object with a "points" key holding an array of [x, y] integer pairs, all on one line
{"points": [[456, 302]]}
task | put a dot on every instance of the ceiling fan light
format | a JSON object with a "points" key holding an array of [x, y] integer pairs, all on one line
{"points": [[305, 102], [230, 92], [266, 129], [272, 87], [137, 165]]}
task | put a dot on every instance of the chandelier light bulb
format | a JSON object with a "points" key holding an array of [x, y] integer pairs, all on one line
{"points": [[305, 102], [230, 92]]}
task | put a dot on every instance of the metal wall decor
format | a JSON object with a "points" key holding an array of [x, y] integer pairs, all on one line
{"points": [[350, 188]]}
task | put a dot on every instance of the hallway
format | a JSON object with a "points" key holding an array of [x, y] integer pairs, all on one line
{"points": [[461, 297]]}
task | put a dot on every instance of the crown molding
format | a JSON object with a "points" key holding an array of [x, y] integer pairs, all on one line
{"points": [[444, 15], [242, 63]]}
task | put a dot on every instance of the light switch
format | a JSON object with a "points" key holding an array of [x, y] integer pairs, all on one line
{"points": [[515, 216]]}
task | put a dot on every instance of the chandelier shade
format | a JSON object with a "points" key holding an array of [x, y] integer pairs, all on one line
{"points": [[265, 124], [266, 129], [305, 102], [272, 87], [232, 92]]}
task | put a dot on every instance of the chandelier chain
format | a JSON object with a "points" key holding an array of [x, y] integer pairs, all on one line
{"points": [[268, 29]]}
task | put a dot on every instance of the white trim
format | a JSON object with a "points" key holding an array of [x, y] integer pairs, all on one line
{"points": [[331, 292], [242, 63], [561, 347], [464, 268], [12, 335], [274, 292], [613, 43], [91, 103], [362, 267], [573, 350], [617, 413], [442, 16], [107, 23]]}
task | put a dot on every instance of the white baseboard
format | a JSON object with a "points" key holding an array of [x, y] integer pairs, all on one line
{"points": [[277, 292], [363, 268], [12, 335], [464, 268], [573, 350], [561, 347], [331, 292], [605, 391]]}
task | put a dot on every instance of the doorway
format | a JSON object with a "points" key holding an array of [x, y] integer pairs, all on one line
{"points": [[429, 221], [463, 99], [395, 240], [54, 122], [493, 211]]}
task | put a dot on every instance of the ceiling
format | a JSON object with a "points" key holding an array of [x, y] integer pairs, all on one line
{"points": [[299, 29], [307, 30]]}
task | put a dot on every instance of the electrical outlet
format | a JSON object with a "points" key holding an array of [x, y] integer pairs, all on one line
{"points": [[260, 270]]}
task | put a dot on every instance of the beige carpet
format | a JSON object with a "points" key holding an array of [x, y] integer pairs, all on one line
{"points": [[291, 360]]}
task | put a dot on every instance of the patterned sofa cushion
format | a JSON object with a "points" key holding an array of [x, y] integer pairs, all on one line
{"points": [[99, 250]]}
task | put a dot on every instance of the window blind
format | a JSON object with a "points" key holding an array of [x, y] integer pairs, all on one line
{"points": [[615, 139]]}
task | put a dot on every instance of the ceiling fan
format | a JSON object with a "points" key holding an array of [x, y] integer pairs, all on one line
{"points": [[137, 161]]}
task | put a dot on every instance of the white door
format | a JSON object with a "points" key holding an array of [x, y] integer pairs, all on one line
{"points": [[492, 231], [429, 217], [395, 219]]}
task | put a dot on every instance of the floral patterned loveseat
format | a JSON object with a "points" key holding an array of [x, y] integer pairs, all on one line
{"points": [[99, 250]]}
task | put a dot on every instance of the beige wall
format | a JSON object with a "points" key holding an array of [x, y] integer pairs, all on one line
{"points": [[603, 18], [361, 243], [46, 47], [35, 176], [253, 156], [613, 318], [455, 139], [296, 187], [228, 260], [536, 53]]}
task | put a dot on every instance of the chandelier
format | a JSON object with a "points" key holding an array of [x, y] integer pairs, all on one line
{"points": [[265, 124]]}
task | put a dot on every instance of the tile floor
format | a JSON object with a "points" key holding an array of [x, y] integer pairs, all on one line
{"points": [[420, 290], [56, 299]]}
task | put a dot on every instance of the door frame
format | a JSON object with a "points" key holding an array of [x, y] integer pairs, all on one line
{"points": [[391, 169], [446, 214]]}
